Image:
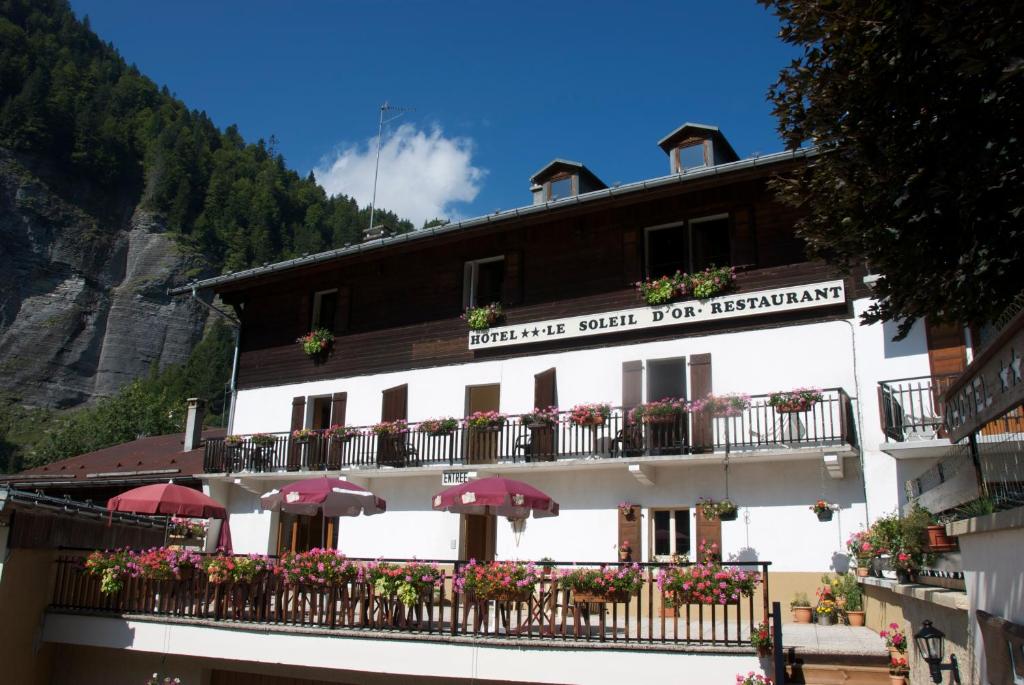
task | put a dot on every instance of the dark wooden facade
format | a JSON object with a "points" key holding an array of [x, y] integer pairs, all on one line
{"points": [[399, 308]]}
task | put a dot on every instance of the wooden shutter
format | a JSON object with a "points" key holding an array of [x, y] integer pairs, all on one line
{"points": [[395, 403], [298, 420], [700, 386], [342, 310], [629, 531], [339, 403], [709, 531], [947, 353], [544, 389], [512, 285], [631, 257], [632, 384], [743, 239]]}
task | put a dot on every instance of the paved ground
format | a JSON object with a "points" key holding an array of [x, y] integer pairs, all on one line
{"points": [[810, 638]]}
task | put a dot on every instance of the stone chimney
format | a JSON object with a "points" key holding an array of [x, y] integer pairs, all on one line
{"points": [[194, 423]]}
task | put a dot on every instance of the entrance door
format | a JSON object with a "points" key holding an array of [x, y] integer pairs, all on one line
{"points": [[321, 413], [482, 445], [478, 542], [394, 407]]}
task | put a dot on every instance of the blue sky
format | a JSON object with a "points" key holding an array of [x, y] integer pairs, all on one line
{"points": [[497, 91]]}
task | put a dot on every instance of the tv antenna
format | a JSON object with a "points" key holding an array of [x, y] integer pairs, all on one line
{"points": [[386, 107]]}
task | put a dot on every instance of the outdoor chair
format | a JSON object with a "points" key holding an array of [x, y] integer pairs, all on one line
{"points": [[629, 442], [397, 452]]}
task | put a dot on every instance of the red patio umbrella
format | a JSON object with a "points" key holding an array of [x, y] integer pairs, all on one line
{"points": [[498, 497], [169, 499], [332, 496]]}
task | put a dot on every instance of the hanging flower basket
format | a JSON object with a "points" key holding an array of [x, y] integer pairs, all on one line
{"points": [[793, 401], [723, 510], [482, 318], [316, 343], [594, 414], [823, 510]]}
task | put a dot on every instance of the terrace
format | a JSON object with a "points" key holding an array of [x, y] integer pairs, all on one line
{"points": [[759, 428], [911, 413]]}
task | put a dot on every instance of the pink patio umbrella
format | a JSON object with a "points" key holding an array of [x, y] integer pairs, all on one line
{"points": [[496, 496], [332, 496], [169, 499]]}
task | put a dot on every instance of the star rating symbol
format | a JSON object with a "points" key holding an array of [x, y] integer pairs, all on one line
{"points": [[536, 332], [525, 332]]}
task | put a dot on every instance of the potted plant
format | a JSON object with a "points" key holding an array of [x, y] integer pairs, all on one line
{"points": [[898, 670], [667, 410], [112, 568], [711, 281], [627, 509], [439, 427], [340, 433], [262, 439], [860, 548], [662, 290], [482, 318], [302, 435], [592, 414], [184, 528], [604, 584], [761, 639], [792, 401], [316, 343], [826, 612], [895, 640], [752, 678], [884, 534], [823, 510], [232, 441], [390, 428], [801, 607], [503, 581], [723, 510], [732, 404], [850, 598], [486, 421], [625, 551], [540, 419]]}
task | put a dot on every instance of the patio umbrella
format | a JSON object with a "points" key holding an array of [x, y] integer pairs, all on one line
{"points": [[332, 496], [169, 499], [496, 496]]}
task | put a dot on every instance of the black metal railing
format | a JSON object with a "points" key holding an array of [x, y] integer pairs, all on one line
{"points": [[828, 422], [910, 408], [549, 612]]}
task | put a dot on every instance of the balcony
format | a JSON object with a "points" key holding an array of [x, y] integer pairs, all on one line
{"points": [[911, 415], [827, 424]]}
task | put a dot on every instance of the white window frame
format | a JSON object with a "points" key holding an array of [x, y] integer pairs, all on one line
{"points": [[709, 155], [671, 533], [574, 187], [318, 298], [471, 275], [686, 225]]}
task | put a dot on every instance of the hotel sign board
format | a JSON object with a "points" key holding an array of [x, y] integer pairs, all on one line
{"points": [[756, 303]]}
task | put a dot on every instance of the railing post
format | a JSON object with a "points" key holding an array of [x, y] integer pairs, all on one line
{"points": [[778, 653]]}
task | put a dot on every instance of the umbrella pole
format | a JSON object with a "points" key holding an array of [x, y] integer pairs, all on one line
{"points": [[323, 527]]}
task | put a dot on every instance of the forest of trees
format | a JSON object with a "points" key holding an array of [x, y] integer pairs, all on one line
{"points": [[108, 139]]}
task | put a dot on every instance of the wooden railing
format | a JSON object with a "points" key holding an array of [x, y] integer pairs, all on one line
{"points": [[828, 422], [910, 408], [549, 613]]}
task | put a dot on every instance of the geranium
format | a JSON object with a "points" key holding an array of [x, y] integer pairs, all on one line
{"points": [[437, 427], [303, 434], [710, 282], [664, 410], [481, 318], [112, 567], [224, 568], [486, 419], [715, 510], [898, 666], [323, 567], [592, 414], [626, 507], [396, 427], [186, 528], [540, 417], [662, 290], [343, 433], [262, 439], [821, 506], [720, 405], [497, 579], [165, 563], [707, 582], [761, 638], [895, 638], [605, 581], [799, 399], [752, 678], [316, 341], [860, 547], [408, 582]]}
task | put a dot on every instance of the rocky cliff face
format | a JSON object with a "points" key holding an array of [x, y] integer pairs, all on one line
{"points": [[83, 305]]}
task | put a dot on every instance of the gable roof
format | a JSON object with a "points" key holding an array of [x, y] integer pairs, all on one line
{"points": [[558, 164], [691, 129]]}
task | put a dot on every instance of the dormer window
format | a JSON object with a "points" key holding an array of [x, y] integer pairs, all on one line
{"points": [[560, 188], [693, 156]]}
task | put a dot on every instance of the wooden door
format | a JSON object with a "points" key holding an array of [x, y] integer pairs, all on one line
{"points": [[543, 441], [482, 446], [480, 534], [297, 533], [394, 406], [321, 413]]}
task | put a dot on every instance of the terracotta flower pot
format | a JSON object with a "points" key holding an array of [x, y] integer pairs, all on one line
{"points": [[856, 618], [938, 541], [802, 614], [764, 650], [863, 571], [897, 680]]}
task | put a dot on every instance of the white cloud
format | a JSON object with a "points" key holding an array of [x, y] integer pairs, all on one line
{"points": [[422, 173]]}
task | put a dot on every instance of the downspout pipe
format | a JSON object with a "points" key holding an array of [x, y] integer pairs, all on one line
{"points": [[237, 325]]}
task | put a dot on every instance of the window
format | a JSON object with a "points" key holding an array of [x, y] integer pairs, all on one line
{"points": [[320, 413], [325, 305], [485, 279], [691, 157], [560, 188], [670, 533], [689, 246]]}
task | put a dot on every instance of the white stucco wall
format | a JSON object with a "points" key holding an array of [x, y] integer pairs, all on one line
{"points": [[774, 496]]}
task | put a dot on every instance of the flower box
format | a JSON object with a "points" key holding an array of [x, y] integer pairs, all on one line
{"points": [[825, 515], [482, 318], [598, 597], [507, 595], [794, 401], [594, 414], [316, 343], [939, 541]]}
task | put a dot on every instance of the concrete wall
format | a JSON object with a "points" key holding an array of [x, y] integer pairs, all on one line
{"points": [[26, 585]]}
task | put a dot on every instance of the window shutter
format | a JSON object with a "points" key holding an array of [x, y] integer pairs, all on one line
{"points": [[298, 420], [343, 309], [632, 384], [629, 531], [395, 403], [339, 403], [630, 257], [700, 386], [512, 286], [708, 531], [544, 389], [743, 239]]}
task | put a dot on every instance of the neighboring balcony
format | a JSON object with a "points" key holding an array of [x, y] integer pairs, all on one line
{"points": [[759, 429], [911, 412]]}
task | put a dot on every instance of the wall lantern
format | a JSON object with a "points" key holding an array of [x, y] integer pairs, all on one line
{"points": [[930, 643]]}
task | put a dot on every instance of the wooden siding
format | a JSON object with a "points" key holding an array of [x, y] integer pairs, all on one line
{"points": [[399, 309]]}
